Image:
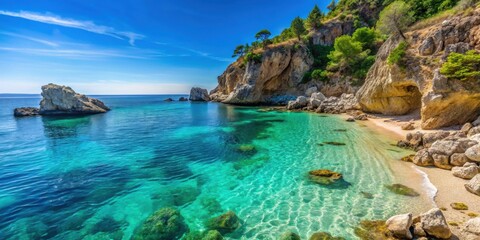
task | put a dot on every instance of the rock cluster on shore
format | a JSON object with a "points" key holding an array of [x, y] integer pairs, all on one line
{"points": [[63, 100]]}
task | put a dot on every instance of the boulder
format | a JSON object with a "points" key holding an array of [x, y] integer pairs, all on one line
{"points": [[300, 102], [183, 99], [430, 138], [473, 153], [449, 147], [310, 91], [476, 122], [466, 127], [399, 225], [475, 137], [408, 126], [473, 131], [418, 230], [62, 100], [26, 112], [168, 100], [290, 236], [473, 185], [458, 159], [441, 161], [415, 140], [423, 158], [225, 223], [468, 171], [164, 224], [434, 223], [318, 96], [471, 230], [199, 94]]}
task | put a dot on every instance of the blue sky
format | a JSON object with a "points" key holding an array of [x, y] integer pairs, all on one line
{"points": [[130, 47]]}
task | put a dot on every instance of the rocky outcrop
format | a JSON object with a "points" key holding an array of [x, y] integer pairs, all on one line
{"points": [[329, 31], [387, 89], [390, 89], [26, 112], [199, 94], [276, 78], [62, 100]]}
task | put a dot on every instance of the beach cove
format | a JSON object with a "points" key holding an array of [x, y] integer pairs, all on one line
{"points": [[103, 175]]}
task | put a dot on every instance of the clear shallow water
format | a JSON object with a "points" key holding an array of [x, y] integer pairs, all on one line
{"points": [[102, 175]]}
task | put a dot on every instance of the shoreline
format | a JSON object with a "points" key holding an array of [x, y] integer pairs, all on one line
{"points": [[450, 189]]}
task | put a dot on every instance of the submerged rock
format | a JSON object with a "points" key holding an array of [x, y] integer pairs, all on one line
{"points": [[335, 143], [205, 235], [324, 236], [183, 99], [199, 94], [225, 223], [249, 149], [324, 176], [373, 230], [434, 224], [164, 224], [289, 236], [401, 189], [168, 100], [367, 195], [26, 112], [62, 100]]}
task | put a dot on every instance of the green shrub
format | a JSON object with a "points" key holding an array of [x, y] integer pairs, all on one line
{"points": [[255, 57], [465, 67], [397, 56], [319, 74]]}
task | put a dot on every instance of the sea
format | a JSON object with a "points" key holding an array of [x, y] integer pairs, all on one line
{"points": [[100, 176]]}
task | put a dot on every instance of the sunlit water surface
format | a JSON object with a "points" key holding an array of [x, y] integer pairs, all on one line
{"points": [[100, 176]]}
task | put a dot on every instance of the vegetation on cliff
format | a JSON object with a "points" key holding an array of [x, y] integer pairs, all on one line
{"points": [[465, 67]]}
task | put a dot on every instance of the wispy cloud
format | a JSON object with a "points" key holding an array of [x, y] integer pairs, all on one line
{"points": [[78, 24], [74, 53], [37, 40], [92, 53], [197, 52]]}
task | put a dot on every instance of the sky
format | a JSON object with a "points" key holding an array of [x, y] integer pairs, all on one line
{"points": [[130, 46]]}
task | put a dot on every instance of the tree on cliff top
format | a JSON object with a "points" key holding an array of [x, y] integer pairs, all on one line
{"points": [[332, 5], [314, 19], [395, 18], [239, 51], [298, 27], [263, 36]]}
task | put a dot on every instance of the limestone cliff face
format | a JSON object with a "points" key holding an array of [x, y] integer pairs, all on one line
{"points": [[442, 102], [278, 77], [279, 74]]}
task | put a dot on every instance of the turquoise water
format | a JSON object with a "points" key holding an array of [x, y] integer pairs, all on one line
{"points": [[100, 176]]}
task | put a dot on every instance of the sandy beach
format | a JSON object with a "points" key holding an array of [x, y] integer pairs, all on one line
{"points": [[450, 189]]}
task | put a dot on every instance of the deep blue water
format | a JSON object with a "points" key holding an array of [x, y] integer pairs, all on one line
{"points": [[100, 176]]}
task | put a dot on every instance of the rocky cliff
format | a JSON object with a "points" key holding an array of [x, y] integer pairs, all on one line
{"points": [[278, 75], [390, 89], [277, 78]]}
